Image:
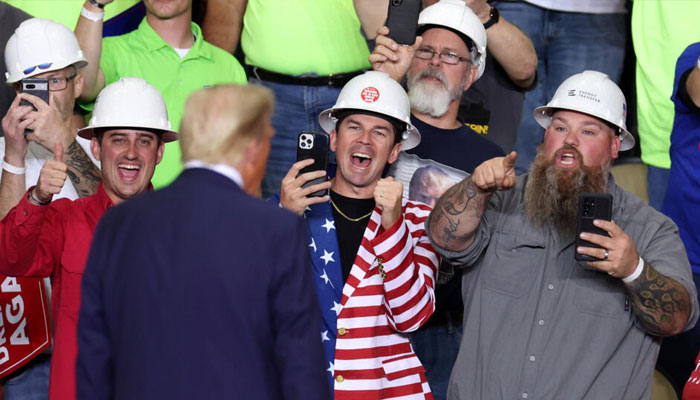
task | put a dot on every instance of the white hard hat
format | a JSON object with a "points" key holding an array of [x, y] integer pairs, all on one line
{"points": [[130, 103], [38, 46], [457, 17], [592, 93], [376, 92]]}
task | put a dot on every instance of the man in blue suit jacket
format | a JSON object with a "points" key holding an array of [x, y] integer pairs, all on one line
{"points": [[199, 290]]}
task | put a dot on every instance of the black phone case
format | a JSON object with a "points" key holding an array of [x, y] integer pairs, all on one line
{"points": [[314, 145], [36, 87], [402, 20], [592, 206]]}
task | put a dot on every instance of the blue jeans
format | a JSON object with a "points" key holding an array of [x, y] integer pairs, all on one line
{"points": [[566, 44], [437, 348], [32, 383], [657, 183], [296, 109]]}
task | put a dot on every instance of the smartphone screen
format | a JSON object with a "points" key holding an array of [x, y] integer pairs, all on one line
{"points": [[402, 20], [314, 145], [592, 206]]}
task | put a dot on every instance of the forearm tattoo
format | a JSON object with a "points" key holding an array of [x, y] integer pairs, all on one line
{"points": [[456, 215], [81, 170], [661, 304]]}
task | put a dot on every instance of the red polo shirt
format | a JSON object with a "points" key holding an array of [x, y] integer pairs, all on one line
{"points": [[54, 240]]}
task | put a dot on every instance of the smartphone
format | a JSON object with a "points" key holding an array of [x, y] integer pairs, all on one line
{"points": [[402, 20], [37, 87], [592, 206], [314, 145]]}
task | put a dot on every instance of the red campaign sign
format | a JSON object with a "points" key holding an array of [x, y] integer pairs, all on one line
{"points": [[25, 324]]}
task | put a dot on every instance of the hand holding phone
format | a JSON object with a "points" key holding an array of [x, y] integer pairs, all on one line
{"points": [[306, 182], [592, 206]]}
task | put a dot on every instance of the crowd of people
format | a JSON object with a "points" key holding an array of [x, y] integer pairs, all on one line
{"points": [[160, 237]]}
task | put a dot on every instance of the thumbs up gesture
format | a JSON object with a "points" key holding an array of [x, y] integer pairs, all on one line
{"points": [[496, 174], [52, 177]]}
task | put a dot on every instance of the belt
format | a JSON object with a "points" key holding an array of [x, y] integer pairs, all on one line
{"points": [[333, 80]]}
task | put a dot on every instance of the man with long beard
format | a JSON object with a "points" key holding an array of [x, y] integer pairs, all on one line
{"points": [[538, 323]]}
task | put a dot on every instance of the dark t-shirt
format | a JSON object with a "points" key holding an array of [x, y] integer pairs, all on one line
{"points": [[10, 18], [350, 232], [443, 158], [493, 105]]}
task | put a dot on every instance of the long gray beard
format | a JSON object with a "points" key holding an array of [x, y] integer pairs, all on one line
{"points": [[551, 193], [427, 98]]}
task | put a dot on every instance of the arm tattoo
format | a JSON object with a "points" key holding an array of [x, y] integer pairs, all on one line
{"points": [[82, 172], [661, 304], [457, 215]]}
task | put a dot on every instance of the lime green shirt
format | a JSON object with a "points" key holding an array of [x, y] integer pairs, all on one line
{"points": [[66, 12], [142, 53], [295, 37], [661, 30]]}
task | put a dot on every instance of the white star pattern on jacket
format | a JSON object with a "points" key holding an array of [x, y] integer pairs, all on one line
{"points": [[327, 257], [329, 225]]}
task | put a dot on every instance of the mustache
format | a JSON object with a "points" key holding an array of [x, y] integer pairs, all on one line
{"points": [[433, 73], [564, 148]]}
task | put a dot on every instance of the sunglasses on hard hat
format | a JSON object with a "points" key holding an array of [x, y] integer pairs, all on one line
{"points": [[40, 66]]}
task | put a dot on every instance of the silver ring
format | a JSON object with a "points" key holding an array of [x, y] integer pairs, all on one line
{"points": [[606, 254], [381, 194]]}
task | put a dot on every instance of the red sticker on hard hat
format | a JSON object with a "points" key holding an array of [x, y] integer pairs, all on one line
{"points": [[369, 94]]}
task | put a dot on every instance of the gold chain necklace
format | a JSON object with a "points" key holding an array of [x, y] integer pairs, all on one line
{"points": [[348, 218]]}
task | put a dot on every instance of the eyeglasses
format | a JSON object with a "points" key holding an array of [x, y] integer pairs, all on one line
{"points": [[59, 83], [40, 66], [445, 56]]}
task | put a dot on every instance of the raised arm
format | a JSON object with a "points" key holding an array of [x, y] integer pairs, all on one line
{"points": [[89, 34], [223, 22], [48, 129], [457, 214], [408, 266], [510, 46], [372, 15], [12, 183]]}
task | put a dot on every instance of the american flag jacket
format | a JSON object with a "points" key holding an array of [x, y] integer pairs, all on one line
{"points": [[389, 292]]}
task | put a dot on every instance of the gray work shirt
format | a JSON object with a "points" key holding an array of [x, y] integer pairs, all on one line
{"points": [[540, 325]]}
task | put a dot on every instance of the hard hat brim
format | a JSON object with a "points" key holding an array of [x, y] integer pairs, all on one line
{"points": [[166, 135], [411, 136]]}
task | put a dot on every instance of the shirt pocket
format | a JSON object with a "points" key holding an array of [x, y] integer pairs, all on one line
{"points": [[71, 279], [595, 293], [401, 366], [515, 262]]}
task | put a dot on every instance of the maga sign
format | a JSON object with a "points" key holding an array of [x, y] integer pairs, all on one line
{"points": [[25, 325]]}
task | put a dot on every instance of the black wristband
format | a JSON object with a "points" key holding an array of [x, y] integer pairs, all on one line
{"points": [[34, 200], [494, 16], [96, 4]]}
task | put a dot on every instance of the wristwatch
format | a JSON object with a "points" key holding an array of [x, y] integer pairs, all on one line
{"points": [[494, 16]]}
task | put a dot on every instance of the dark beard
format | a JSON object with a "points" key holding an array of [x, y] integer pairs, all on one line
{"points": [[551, 193]]}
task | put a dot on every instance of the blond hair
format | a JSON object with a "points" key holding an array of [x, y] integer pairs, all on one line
{"points": [[220, 121]]}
